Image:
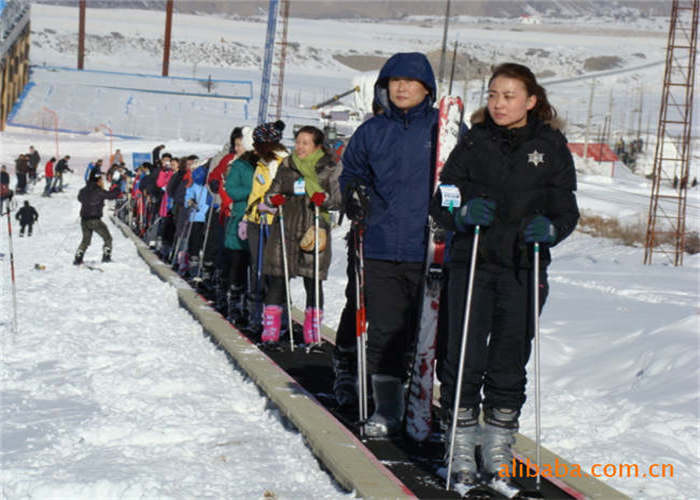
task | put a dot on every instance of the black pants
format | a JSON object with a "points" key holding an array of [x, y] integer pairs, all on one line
{"points": [[235, 267], [22, 226], [196, 240], [392, 291], [501, 327], [215, 241], [345, 337], [89, 226], [21, 187], [276, 293]]}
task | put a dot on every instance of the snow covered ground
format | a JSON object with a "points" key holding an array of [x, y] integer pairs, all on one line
{"points": [[110, 390]]}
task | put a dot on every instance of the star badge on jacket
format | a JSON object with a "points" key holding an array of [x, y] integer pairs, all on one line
{"points": [[536, 158]]}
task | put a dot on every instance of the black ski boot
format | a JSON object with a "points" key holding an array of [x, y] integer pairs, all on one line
{"points": [[345, 369], [220, 298], [106, 254], [236, 312], [78, 258]]}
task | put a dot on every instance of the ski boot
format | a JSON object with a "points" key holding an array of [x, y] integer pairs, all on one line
{"points": [[272, 323], [235, 310], [389, 400], [78, 258], [312, 325], [500, 426], [255, 314], [464, 470], [345, 368], [107, 254]]}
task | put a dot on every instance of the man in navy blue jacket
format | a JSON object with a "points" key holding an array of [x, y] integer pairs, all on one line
{"points": [[392, 155]]}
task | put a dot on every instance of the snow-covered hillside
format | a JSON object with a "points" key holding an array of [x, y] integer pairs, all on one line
{"points": [[109, 391]]}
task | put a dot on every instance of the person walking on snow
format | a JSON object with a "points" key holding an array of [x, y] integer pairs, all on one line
{"points": [[61, 168], [391, 156], [34, 160], [516, 180], [97, 165], [27, 216], [48, 175], [92, 199]]}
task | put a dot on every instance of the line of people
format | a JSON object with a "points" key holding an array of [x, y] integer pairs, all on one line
{"points": [[515, 180], [218, 222]]}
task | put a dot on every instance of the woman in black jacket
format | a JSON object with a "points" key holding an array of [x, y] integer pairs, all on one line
{"points": [[513, 178]]}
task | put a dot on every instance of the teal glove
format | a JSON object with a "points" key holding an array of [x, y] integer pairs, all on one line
{"points": [[475, 212], [540, 229]]}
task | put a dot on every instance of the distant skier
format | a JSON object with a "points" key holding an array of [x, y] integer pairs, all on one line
{"points": [[34, 159], [59, 170], [5, 191], [97, 165], [92, 198], [27, 216], [48, 175], [21, 171]]}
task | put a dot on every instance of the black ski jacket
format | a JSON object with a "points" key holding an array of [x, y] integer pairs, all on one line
{"points": [[527, 171], [27, 215], [92, 198]]}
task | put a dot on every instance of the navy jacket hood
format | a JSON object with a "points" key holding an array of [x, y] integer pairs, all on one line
{"points": [[407, 65]]}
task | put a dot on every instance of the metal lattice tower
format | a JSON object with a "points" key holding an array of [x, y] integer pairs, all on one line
{"points": [[272, 87], [666, 228]]}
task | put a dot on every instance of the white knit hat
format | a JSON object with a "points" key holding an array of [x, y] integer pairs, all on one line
{"points": [[247, 139]]}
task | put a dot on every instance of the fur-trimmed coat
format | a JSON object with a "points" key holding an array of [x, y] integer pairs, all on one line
{"points": [[298, 217], [527, 171]]}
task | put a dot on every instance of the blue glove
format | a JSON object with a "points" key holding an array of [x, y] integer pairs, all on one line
{"points": [[477, 211], [540, 229]]}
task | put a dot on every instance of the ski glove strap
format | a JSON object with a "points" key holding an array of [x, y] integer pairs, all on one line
{"points": [[477, 211], [540, 229]]}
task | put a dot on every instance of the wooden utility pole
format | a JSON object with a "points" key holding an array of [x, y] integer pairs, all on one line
{"points": [[81, 34], [166, 40]]}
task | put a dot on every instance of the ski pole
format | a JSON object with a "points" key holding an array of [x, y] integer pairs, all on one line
{"points": [[202, 250], [536, 299], [12, 274], [360, 325], [317, 310], [178, 241], [286, 278], [186, 242], [462, 354]]}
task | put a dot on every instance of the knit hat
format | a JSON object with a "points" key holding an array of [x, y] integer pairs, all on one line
{"points": [[247, 138], [268, 132]]}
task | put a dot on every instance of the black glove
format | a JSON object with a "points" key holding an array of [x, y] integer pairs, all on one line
{"points": [[357, 203], [215, 185]]}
